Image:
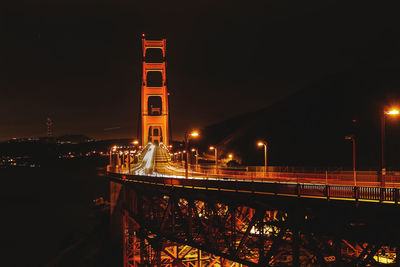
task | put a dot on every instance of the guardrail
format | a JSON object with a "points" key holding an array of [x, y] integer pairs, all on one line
{"points": [[305, 190], [365, 179]]}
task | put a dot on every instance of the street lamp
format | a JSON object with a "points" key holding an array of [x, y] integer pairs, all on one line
{"points": [[192, 134], [216, 157], [265, 144], [197, 156], [135, 142], [391, 112], [353, 139]]}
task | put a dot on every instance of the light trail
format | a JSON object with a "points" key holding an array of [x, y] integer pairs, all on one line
{"points": [[154, 160]]}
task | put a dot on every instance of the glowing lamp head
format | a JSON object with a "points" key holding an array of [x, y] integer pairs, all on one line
{"points": [[114, 148], [179, 152], [135, 142], [211, 148], [260, 143], [349, 137], [193, 150], [230, 156], [194, 134], [393, 112]]}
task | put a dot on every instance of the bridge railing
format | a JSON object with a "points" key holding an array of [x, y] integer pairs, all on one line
{"points": [[337, 179], [363, 178], [321, 191]]}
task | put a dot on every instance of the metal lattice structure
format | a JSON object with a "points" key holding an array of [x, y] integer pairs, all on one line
{"points": [[229, 228]]}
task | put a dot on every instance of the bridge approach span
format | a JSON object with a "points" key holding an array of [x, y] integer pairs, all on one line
{"points": [[255, 223]]}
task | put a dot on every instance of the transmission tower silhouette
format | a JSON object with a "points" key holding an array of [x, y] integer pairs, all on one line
{"points": [[49, 127]]}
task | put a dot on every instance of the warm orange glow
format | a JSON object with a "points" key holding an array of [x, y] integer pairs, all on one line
{"points": [[135, 142], [179, 152], [212, 148], [114, 148], [230, 156], [260, 143], [193, 150], [393, 112], [184, 151], [154, 124], [194, 134]]}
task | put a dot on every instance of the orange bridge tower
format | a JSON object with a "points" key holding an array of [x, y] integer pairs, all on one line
{"points": [[154, 108]]}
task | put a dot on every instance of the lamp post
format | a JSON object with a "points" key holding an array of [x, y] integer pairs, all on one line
{"points": [[391, 112], [193, 134], [197, 156], [353, 139], [216, 157], [113, 149], [265, 144]]}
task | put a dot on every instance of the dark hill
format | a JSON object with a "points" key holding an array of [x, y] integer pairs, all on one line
{"points": [[308, 128]]}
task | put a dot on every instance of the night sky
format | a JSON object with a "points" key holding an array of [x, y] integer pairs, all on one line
{"points": [[79, 62]]}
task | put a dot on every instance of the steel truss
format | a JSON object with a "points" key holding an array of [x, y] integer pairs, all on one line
{"points": [[166, 228]]}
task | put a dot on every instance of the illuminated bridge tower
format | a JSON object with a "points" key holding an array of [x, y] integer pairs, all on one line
{"points": [[154, 105]]}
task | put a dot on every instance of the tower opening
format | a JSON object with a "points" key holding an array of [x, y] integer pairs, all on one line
{"points": [[154, 55], [154, 79], [155, 134], [154, 105]]}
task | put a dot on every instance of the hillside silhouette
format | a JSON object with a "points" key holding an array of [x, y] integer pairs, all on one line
{"points": [[309, 127]]}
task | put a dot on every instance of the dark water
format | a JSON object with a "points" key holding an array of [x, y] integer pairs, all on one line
{"points": [[47, 217]]}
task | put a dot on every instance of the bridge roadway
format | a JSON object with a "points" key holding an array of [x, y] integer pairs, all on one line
{"points": [[155, 167], [311, 220]]}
